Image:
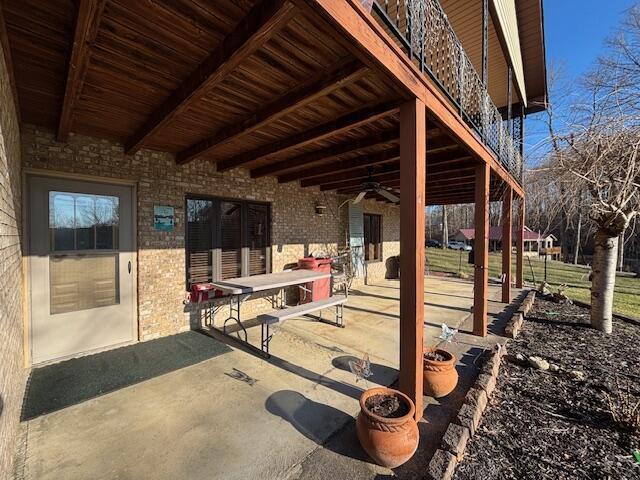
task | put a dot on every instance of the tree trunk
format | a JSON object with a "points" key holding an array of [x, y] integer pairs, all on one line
{"points": [[445, 228], [575, 254], [621, 252], [604, 279]]}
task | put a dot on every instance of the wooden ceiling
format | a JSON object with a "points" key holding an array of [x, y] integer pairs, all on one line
{"points": [[255, 84]]}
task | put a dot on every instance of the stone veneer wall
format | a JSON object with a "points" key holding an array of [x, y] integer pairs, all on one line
{"points": [[12, 371], [296, 230]]}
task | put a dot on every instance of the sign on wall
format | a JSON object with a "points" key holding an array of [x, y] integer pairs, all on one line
{"points": [[163, 218]]}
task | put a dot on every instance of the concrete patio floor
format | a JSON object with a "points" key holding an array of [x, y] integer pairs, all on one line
{"points": [[239, 416]]}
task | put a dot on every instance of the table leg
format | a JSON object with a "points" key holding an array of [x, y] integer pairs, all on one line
{"points": [[236, 317]]}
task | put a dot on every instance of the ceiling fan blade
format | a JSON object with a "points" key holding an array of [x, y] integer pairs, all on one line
{"points": [[388, 195], [359, 198]]}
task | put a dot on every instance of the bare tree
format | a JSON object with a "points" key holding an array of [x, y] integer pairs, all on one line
{"points": [[577, 244], [445, 228], [593, 164], [602, 158]]}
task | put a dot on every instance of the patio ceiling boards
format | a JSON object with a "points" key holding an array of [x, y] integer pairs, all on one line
{"points": [[267, 86]]}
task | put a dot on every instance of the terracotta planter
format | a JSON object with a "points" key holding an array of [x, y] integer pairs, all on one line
{"points": [[440, 377], [390, 442]]}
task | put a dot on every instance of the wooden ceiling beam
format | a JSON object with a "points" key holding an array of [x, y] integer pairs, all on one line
{"points": [[436, 161], [441, 144], [437, 186], [255, 29], [456, 189], [460, 189], [331, 79], [449, 200], [88, 16], [361, 173], [452, 174], [432, 178], [446, 158], [377, 158], [454, 182], [326, 130], [380, 177], [390, 136], [357, 188], [451, 194]]}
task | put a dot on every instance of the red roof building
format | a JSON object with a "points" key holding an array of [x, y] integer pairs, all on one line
{"points": [[533, 241]]}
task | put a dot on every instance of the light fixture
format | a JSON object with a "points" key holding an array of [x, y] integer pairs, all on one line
{"points": [[320, 209]]}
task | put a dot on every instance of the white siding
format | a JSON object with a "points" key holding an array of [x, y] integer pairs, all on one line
{"points": [[508, 28]]}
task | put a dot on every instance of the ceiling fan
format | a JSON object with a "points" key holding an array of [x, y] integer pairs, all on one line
{"points": [[371, 186]]}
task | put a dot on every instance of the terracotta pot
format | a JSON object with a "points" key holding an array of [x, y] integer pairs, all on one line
{"points": [[390, 442], [440, 377]]}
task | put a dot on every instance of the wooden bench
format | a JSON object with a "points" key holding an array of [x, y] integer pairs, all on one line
{"points": [[280, 315]]}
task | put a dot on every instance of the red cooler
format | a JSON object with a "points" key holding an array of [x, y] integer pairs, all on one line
{"points": [[320, 289]]}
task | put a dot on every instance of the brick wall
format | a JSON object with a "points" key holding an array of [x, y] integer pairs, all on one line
{"points": [[296, 230], [12, 372]]}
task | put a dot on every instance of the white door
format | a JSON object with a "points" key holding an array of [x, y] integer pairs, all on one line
{"points": [[356, 238], [81, 261]]}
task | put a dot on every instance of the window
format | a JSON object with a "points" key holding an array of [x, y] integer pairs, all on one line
{"points": [[372, 237], [226, 239], [81, 221], [83, 233]]}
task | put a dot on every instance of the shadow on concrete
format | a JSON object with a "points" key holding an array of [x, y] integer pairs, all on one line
{"points": [[380, 374], [374, 312], [54, 387], [318, 379], [317, 422], [437, 305], [383, 314]]}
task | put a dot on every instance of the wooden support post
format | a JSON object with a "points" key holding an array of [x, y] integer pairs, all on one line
{"points": [[485, 43], [509, 100], [481, 247], [507, 204], [521, 138], [520, 246], [412, 198]]}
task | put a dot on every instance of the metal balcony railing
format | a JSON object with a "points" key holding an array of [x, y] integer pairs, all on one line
{"points": [[424, 32]]}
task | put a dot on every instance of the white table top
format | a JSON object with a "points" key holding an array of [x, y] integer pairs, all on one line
{"points": [[267, 281]]}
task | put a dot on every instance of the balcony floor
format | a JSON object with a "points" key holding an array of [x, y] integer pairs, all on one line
{"points": [[237, 416]]}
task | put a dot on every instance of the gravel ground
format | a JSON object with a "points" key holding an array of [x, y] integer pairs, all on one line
{"points": [[558, 425]]}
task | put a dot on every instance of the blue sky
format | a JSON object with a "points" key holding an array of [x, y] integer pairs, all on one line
{"points": [[576, 30], [575, 33]]}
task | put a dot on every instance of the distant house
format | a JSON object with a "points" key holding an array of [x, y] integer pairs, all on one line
{"points": [[533, 241]]}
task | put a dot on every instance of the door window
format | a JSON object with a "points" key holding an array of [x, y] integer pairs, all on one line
{"points": [[79, 225], [79, 221]]}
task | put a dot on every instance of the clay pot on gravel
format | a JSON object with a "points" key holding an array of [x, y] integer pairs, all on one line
{"points": [[440, 376], [390, 438]]}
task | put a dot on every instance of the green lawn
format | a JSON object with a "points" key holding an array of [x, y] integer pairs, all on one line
{"points": [[627, 292]]}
